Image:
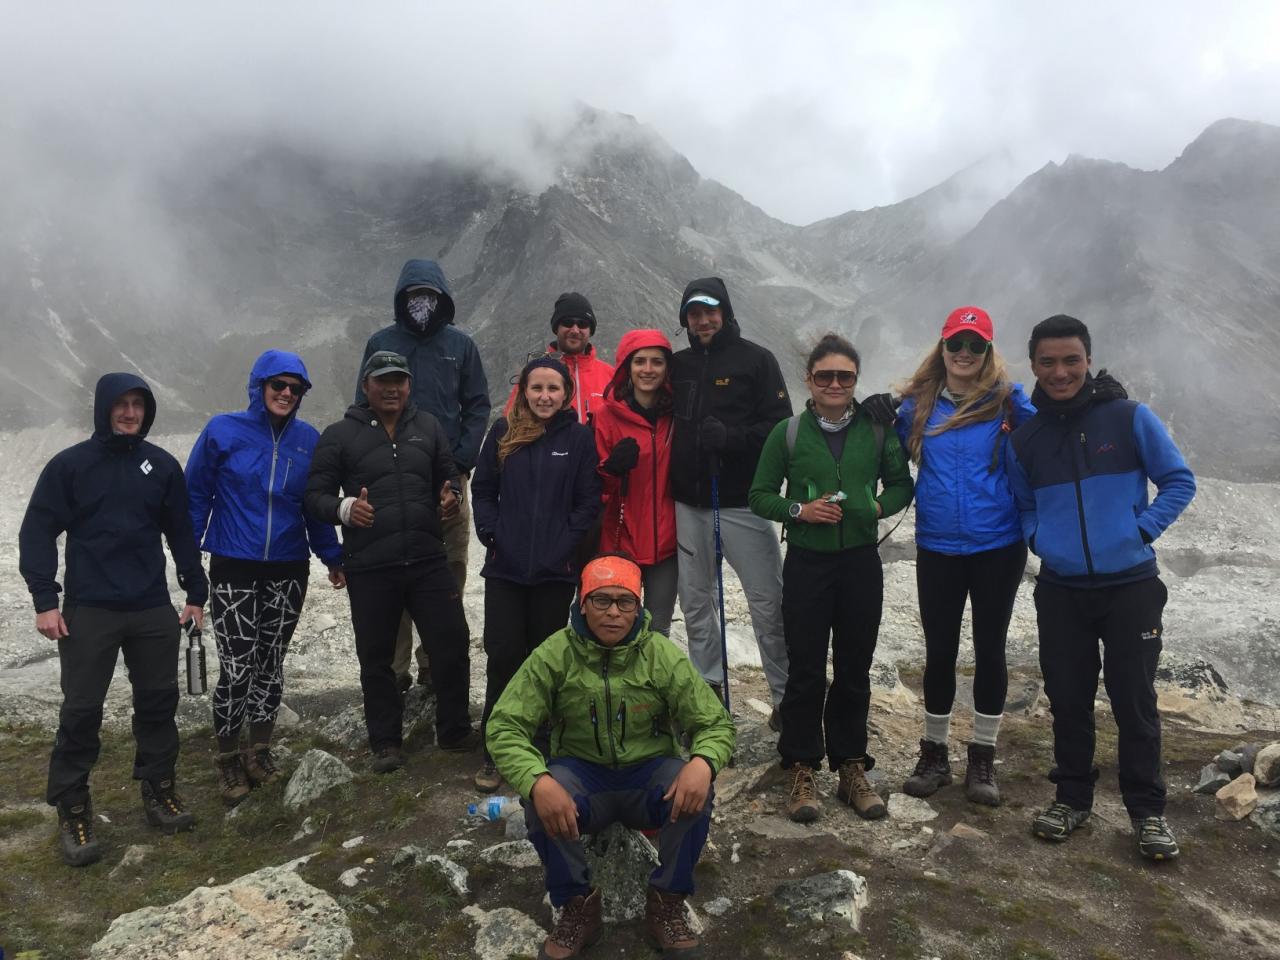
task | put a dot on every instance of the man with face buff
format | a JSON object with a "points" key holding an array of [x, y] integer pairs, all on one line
{"points": [[448, 383]]}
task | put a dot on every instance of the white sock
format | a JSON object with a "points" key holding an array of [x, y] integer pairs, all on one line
{"points": [[986, 728], [937, 726]]}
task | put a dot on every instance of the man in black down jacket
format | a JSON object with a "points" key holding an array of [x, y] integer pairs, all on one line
{"points": [[393, 465], [115, 496], [729, 394]]}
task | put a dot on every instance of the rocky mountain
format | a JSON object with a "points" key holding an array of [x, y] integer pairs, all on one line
{"points": [[186, 271]]}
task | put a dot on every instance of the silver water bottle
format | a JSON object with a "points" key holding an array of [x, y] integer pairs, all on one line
{"points": [[197, 682]]}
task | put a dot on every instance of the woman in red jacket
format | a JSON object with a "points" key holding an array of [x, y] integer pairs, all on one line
{"points": [[633, 438]]}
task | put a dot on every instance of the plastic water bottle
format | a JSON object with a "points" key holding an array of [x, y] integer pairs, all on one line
{"points": [[491, 809]]}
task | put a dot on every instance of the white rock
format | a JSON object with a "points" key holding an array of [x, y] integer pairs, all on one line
{"points": [[905, 809], [718, 907], [459, 844], [349, 878], [353, 842], [514, 853], [308, 828], [1266, 766], [759, 706], [318, 773], [133, 856], [504, 932], [287, 718]]}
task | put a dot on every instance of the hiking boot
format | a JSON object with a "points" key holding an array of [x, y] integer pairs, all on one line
{"points": [[856, 790], [233, 784], [260, 765], [487, 778], [578, 928], [775, 721], [387, 758], [403, 683], [667, 925], [1155, 839], [1058, 822], [933, 770], [463, 744], [75, 834], [980, 776], [163, 807], [803, 805]]}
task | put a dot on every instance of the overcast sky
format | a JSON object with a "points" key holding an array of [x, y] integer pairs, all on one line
{"points": [[807, 109]]}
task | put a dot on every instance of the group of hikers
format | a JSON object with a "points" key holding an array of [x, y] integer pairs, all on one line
{"points": [[600, 496]]}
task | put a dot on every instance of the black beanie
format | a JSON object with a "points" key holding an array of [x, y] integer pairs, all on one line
{"points": [[572, 306]]}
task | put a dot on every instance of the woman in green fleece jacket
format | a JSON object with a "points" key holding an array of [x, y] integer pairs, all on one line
{"points": [[842, 473]]}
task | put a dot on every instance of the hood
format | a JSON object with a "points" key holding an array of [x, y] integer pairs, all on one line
{"points": [[632, 341], [423, 273], [110, 386], [272, 363], [714, 287]]}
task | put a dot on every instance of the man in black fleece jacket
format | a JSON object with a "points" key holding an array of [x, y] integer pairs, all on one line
{"points": [[729, 393], [115, 496]]}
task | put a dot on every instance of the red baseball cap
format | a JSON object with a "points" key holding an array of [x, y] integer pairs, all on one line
{"points": [[968, 320]]}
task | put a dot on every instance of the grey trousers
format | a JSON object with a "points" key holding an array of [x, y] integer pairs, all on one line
{"points": [[660, 593], [751, 549]]}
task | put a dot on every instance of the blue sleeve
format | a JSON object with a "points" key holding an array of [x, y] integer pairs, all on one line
{"points": [[1023, 496], [1023, 408], [47, 518], [473, 399], [484, 484], [323, 538], [1163, 462], [201, 473]]}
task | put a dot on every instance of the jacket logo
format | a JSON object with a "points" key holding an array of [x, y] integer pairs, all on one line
{"points": [[1107, 447], [145, 466], [1150, 634], [559, 453], [722, 381]]}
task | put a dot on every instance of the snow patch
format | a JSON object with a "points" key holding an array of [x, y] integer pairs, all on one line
{"points": [[64, 335]]}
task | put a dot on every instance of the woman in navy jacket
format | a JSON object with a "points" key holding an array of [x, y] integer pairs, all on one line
{"points": [[245, 477], [535, 496], [954, 421]]}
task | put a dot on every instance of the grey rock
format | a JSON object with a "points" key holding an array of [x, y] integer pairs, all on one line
{"points": [[133, 857], [1266, 814], [316, 775], [1248, 755], [287, 718], [1229, 763], [410, 854], [1191, 673], [350, 878], [516, 828], [1211, 780], [514, 853], [905, 809], [306, 829], [839, 895], [346, 728], [271, 914], [718, 907], [1266, 767], [780, 828], [620, 861], [504, 933], [1024, 697]]}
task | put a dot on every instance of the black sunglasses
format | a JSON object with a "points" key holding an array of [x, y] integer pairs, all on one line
{"points": [[280, 386], [580, 322], [823, 378], [976, 346]]}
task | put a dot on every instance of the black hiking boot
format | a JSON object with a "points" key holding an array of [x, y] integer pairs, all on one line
{"points": [[980, 776], [164, 808], [387, 759], [933, 770], [1155, 839], [75, 834], [1058, 822]]}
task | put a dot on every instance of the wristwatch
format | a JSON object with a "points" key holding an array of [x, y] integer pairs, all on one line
{"points": [[793, 511]]}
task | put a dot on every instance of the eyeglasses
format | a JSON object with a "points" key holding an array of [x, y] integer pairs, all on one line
{"points": [[580, 322], [975, 346], [602, 602], [280, 386], [823, 378]]}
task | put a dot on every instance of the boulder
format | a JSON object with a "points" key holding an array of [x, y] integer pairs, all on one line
{"points": [[1196, 675], [287, 718], [620, 861], [1211, 779], [519, 854], [1237, 799], [454, 874], [905, 809], [316, 775], [1266, 766], [347, 728], [1229, 763], [839, 895], [1267, 814], [1248, 755], [504, 932], [271, 914]]}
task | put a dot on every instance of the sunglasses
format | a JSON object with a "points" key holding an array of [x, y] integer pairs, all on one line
{"points": [[280, 386], [823, 378], [579, 322], [975, 346], [602, 602]]}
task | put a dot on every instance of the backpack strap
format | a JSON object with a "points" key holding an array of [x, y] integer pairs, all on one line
{"points": [[793, 428]]}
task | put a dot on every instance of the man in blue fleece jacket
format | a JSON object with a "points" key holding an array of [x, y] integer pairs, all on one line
{"points": [[1079, 471]]}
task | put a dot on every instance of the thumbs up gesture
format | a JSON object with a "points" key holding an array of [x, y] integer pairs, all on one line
{"points": [[362, 510]]}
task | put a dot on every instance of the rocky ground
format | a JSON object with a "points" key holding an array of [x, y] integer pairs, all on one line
{"points": [[945, 879]]}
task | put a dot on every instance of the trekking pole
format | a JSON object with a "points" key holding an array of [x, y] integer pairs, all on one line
{"points": [[622, 509], [724, 636]]}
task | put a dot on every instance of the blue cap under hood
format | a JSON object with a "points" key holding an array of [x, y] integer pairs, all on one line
{"points": [[110, 386]]}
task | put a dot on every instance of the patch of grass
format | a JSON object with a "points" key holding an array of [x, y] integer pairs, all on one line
{"points": [[1030, 950], [11, 821]]}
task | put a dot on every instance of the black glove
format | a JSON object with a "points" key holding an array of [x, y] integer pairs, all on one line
{"points": [[622, 458], [713, 435], [882, 408], [486, 538], [1107, 387]]}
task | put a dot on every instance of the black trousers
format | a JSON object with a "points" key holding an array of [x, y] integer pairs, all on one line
{"points": [[149, 641], [835, 598], [429, 592], [989, 581], [1127, 619], [516, 619]]}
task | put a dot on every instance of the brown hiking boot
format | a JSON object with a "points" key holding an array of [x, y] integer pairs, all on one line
{"points": [[232, 782], [856, 790], [577, 928], [667, 925], [260, 765], [803, 806]]}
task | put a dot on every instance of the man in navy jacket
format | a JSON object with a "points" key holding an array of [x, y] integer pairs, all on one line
{"points": [[1079, 471], [114, 495]]}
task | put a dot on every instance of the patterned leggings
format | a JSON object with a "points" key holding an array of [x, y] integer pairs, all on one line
{"points": [[252, 626]]}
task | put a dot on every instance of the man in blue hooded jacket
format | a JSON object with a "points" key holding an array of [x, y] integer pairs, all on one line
{"points": [[1079, 471], [114, 496], [448, 383]]}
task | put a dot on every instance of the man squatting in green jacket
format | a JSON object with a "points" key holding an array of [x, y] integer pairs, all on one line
{"points": [[610, 688]]}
